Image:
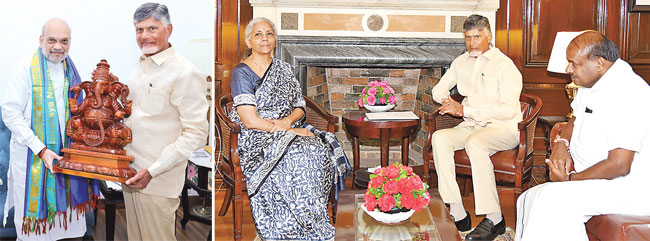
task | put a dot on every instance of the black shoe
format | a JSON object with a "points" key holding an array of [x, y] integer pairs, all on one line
{"points": [[486, 230], [464, 224]]}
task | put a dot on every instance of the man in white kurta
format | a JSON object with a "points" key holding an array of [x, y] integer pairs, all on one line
{"points": [[491, 85], [17, 115], [168, 121], [609, 148]]}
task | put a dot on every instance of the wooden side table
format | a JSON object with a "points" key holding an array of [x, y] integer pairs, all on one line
{"points": [[358, 127], [202, 166]]}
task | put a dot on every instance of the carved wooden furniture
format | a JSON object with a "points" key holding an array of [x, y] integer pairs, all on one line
{"points": [[612, 226], [358, 127], [511, 166], [230, 167], [98, 137]]}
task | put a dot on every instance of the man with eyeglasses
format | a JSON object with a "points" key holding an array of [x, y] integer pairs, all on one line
{"points": [[491, 85], [47, 206], [168, 122]]}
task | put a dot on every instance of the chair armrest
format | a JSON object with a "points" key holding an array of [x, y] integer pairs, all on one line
{"points": [[321, 114], [435, 121]]}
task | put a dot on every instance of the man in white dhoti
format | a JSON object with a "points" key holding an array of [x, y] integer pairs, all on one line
{"points": [[47, 206], [607, 141]]}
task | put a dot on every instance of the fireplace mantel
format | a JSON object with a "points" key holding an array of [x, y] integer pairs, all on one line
{"points": [[303, 51]]}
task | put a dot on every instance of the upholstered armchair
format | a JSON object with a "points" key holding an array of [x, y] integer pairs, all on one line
{"points": [[230, 167], [512, 166], [613, 226]]}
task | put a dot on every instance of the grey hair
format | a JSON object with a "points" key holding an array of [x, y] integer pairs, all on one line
{"points": [[249, 27], [476, 21], [157, 11]]}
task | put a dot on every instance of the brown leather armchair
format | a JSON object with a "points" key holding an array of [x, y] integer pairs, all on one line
{"points": [[612, 226], [511, 166], [230, 167]]}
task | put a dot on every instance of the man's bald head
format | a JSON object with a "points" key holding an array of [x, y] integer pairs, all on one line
{"points": [[55, 39], [595, 45], [590, 55]]}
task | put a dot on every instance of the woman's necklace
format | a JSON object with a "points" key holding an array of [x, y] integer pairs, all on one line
{"points": [[259, 67]]}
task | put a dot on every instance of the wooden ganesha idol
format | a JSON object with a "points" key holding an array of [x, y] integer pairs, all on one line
{"points": [[98, 136]]}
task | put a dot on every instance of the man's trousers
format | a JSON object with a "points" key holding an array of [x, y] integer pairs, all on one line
{"points": [[149, 217], [479, 143]]}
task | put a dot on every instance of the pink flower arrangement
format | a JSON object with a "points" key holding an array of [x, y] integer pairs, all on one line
{"points": [[377, 93], [396, 187]]}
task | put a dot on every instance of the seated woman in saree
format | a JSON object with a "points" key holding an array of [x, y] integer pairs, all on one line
{"points": [[290, 167]]}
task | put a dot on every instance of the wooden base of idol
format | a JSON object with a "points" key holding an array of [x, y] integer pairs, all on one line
{"points": [[96, 165]]}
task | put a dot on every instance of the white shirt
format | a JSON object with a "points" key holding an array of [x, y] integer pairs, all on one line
{"points": [[168, 119], [612, 114], [17, 116], [491, 84]]}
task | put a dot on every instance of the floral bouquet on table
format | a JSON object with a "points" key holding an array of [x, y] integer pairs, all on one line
{"points": [[395, 189], [377, 94]]}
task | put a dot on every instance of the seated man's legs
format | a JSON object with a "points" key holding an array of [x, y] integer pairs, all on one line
{"points": [[559, 210], [479, 146], [444, 143]]}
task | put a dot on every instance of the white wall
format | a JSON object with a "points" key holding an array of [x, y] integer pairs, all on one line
{"points": [[100, 30]]}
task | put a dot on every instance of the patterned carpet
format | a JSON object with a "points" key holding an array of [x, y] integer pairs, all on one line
{"points": [[509, 235]]}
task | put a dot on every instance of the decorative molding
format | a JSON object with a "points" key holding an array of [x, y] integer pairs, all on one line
{"points": [[417, 19], [460, 5]]}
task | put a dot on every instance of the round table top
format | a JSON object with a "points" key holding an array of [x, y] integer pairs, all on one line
{"points": [[358, 119]]}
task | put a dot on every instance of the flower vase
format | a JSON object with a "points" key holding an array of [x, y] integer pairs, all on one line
{"points": [[389, 218], [379, 108]]}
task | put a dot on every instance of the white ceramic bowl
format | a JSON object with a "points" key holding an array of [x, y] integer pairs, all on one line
{"points": [[379, 108], [388, 218]]}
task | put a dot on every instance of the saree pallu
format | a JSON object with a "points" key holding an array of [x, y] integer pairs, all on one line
{"points": [[289, 177]]}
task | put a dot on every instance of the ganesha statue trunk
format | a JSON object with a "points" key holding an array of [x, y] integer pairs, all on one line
{"points": [[97, 135]]}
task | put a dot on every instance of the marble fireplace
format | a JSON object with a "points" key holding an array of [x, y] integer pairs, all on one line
{"points": [[337, 46]]}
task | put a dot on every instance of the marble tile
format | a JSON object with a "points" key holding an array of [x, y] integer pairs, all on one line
{"points": [[457, 23], [289, 21]]}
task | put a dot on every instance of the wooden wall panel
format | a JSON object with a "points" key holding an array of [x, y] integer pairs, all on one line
{"points": [[546, 18], [232, 17], [639, 38]]}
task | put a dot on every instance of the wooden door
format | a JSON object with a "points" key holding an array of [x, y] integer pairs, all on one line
{"points": [[232, 17]]}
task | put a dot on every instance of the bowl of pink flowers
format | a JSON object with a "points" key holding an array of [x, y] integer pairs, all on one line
{"points": [[377, 96], [394, 193]]}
